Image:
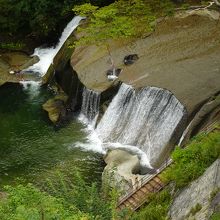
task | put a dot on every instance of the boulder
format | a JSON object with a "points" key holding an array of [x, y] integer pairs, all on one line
{"points": [[29, 63], [12, 63], [56, 107], [121, 170]]}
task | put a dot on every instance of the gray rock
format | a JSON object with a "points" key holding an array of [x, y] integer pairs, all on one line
{"points": [[121, 170], [198, 192], [182, 56], [30, 62]]}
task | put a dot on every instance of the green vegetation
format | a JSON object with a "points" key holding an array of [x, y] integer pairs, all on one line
{"points": [[37, 19], [65, 200], [122, 19], [215, 216], [12, 46], [157, 208], [195, 209], [27, 202], [191, 162], [214, 193]]}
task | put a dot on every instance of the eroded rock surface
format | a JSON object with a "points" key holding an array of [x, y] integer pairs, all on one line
{"points": [[198, 194], [56, 107], [121, 169], [182, 55], [14, 62]]}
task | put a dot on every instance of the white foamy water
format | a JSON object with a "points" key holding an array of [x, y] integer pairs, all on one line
{"points": [[93, 143], [90, 107], [33, 87], [46, 55], [88, 116], [140, 122], [185, 133], [144, 160]]}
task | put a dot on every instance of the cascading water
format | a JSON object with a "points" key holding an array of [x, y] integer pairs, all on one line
{"points": [[90, 106], [88, 116], [146, 119], [46, 55]]}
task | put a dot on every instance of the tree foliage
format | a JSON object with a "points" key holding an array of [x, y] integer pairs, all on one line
{"points": [[59, 199], [122, 19], [38, 18], [27, 202]]}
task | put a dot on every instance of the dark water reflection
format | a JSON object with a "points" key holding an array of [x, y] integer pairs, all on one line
{"points": [[30, 147]]}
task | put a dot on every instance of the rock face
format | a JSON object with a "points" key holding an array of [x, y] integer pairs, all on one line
{"points": [[182, 56], [15, 61], [198, 200], [65, 76], [61, 60], [56, 107], [121, 169], [207, 114]]}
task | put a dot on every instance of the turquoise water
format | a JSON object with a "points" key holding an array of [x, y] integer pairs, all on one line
{"points": [[30, 147]]}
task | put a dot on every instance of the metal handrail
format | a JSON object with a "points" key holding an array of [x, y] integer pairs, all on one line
{"points": [[143, 181]]}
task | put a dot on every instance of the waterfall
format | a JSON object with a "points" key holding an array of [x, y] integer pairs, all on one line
{"points": [[88, 116], [46, 55], [146, 119], [90, 106]]}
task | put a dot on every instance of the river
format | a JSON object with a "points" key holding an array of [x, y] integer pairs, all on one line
{"points": [[31, 149]]}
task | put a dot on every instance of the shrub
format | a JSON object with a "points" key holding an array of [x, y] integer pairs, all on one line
{"points": [[122, 19], [27, 202], [215, 216], [191, 162], [61, 200]]}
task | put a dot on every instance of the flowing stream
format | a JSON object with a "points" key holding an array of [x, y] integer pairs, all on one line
{"points": [[46, 55]]}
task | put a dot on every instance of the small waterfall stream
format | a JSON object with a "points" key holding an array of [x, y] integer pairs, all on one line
{"points": [[90, 107], [46, 55], [88, 116]]}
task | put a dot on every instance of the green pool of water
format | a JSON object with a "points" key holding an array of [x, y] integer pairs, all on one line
{"points": [[30, 147]]}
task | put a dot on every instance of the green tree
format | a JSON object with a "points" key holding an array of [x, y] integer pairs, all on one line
{"points": [[122, 19], [39, 20]]}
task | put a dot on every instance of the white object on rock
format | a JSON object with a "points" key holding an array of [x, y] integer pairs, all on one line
{"points": [[112, 77], [12, 72]]}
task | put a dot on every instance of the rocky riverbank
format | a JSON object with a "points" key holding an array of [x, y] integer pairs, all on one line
{"points": [[11, 64]]}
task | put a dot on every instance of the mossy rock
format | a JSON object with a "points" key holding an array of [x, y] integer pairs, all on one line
{"points": [[56, 107]]}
